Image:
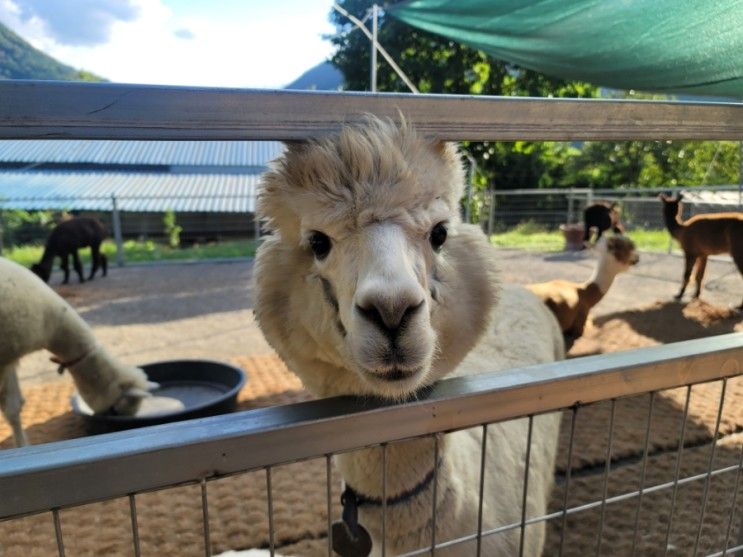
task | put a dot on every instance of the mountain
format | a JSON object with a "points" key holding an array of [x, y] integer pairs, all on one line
{"points": [[323, 77], [19, 60]]}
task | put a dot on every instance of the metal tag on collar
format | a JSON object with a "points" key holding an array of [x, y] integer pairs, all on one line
{"points": [[350, 539]]}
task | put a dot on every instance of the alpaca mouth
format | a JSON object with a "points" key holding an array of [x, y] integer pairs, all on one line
{"points": [[393, 375]]}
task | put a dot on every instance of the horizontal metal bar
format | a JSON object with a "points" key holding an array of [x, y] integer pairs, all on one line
{"points": [[83, 470], [74, 110]]}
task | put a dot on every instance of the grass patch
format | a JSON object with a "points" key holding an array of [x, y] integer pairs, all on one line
{"points": [[139, 251], [533, 239]]}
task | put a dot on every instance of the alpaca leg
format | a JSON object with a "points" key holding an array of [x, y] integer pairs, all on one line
{"points": [[688, 266], [738, 258], [78, 265], [11, 402], [95, 256], [65, 265], [586, 233], [104, 263], [699, 275]]}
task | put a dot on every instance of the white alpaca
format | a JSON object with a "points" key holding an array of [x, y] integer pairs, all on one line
{"points": [[34, 317], [369, 284], [571, 301]]}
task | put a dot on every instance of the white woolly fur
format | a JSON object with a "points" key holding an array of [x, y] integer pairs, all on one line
{"points": [[34, 317], [377, 191]]}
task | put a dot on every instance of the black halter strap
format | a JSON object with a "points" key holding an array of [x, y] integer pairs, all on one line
{"points": [[352, 497]]}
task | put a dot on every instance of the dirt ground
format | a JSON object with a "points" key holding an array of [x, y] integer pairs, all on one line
{"points": [[147, 313]]}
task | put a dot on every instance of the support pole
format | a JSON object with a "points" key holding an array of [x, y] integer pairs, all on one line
{"points": [[491, 215], [740, 175], [373, 80], [571, 200], [116, 219], [470, 188]]}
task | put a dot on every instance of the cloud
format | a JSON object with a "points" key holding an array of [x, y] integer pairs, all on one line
{"points": [[76, 22], [184, 34], [251, 44]]}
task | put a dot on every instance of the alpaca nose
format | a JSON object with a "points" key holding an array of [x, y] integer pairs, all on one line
{"points": [[389, 316]]}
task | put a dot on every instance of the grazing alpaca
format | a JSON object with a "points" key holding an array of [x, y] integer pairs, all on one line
{"points": [[370, 285], [602, 216], [702, 236], [64, 241], [34, 317], [571, 301]]}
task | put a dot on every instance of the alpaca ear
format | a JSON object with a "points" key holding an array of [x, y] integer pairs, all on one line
{"points": [[439, 147]]}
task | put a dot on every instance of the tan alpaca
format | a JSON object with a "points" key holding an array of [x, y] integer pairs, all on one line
{"points": [[34, 317], [701, 236], [571, 301], [369, 284]]}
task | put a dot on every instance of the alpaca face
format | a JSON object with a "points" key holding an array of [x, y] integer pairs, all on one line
{"points": [[671, 206], [620, 254], [367, 222]]}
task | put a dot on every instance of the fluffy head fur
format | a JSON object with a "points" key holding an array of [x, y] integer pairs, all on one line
{"points": [[384, 311]]}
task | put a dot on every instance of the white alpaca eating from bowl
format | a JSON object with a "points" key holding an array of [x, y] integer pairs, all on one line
{"points": [[34, 317], [369, 284]]}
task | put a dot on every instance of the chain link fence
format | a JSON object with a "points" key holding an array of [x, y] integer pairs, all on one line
{"points": [[178, 220], [200, 219], [501, 210]]}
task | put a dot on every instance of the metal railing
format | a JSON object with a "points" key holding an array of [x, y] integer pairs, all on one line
{"points": [[640, 208], [201, 218], [39, 478]]}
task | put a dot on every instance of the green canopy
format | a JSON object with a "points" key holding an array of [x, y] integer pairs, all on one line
{"points": [[671, 46]]}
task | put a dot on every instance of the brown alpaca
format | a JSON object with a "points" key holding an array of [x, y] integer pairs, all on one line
{"points": [[64, 241], [571, 301], [702, 236]]}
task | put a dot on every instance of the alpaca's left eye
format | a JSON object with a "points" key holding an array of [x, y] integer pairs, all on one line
{"points": [[320, 244], [438, 236]]}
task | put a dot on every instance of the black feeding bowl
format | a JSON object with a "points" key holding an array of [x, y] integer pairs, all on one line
{"points": [[203, 387]]}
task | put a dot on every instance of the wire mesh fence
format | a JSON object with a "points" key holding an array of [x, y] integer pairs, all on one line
{"points": [[648, 463], [176, 220], [213, 218], [640, 209]]}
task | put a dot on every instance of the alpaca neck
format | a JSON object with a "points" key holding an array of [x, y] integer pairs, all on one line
{"points": [[673, 223], [601, 280], [47, 259], [72, 337], [408, 465]]}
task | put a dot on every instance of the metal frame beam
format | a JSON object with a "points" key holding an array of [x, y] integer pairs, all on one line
{"points": [[53, 475], [71, 110]]}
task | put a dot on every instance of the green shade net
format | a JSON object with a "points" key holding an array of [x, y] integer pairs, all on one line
{"points": [[669, 46]]}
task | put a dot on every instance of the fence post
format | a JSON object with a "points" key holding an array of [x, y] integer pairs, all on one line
{"points": [[1, 232], [116, 218], [571, 199], [256, 225], [470, 187], [491, 215]]}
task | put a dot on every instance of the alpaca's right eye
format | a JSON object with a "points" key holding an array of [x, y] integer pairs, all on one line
{"points": [[320, 244]]}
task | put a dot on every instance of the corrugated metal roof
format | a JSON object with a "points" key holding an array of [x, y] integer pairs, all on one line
{"points": [[134, 191], [186, 153]]}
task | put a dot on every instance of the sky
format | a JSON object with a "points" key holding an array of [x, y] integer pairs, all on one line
{"points": [[211, 43]]}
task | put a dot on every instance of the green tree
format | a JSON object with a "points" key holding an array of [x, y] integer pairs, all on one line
{"points": [[172, 230], [437, 65]]}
